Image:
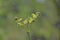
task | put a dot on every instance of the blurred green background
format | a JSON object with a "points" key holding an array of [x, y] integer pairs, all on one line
{"points": [[46, 27]]}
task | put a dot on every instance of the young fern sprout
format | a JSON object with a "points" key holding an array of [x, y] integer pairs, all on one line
{"points": [[29, 20]]}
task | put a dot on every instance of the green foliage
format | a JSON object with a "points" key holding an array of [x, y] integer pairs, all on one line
{"points": [[28, 20], [43, 25]]}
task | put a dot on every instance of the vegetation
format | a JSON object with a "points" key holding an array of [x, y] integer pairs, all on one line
{"points": [[30, 25]]}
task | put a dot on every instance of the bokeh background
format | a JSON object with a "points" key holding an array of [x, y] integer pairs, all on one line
{"points": [[46, 27]]}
